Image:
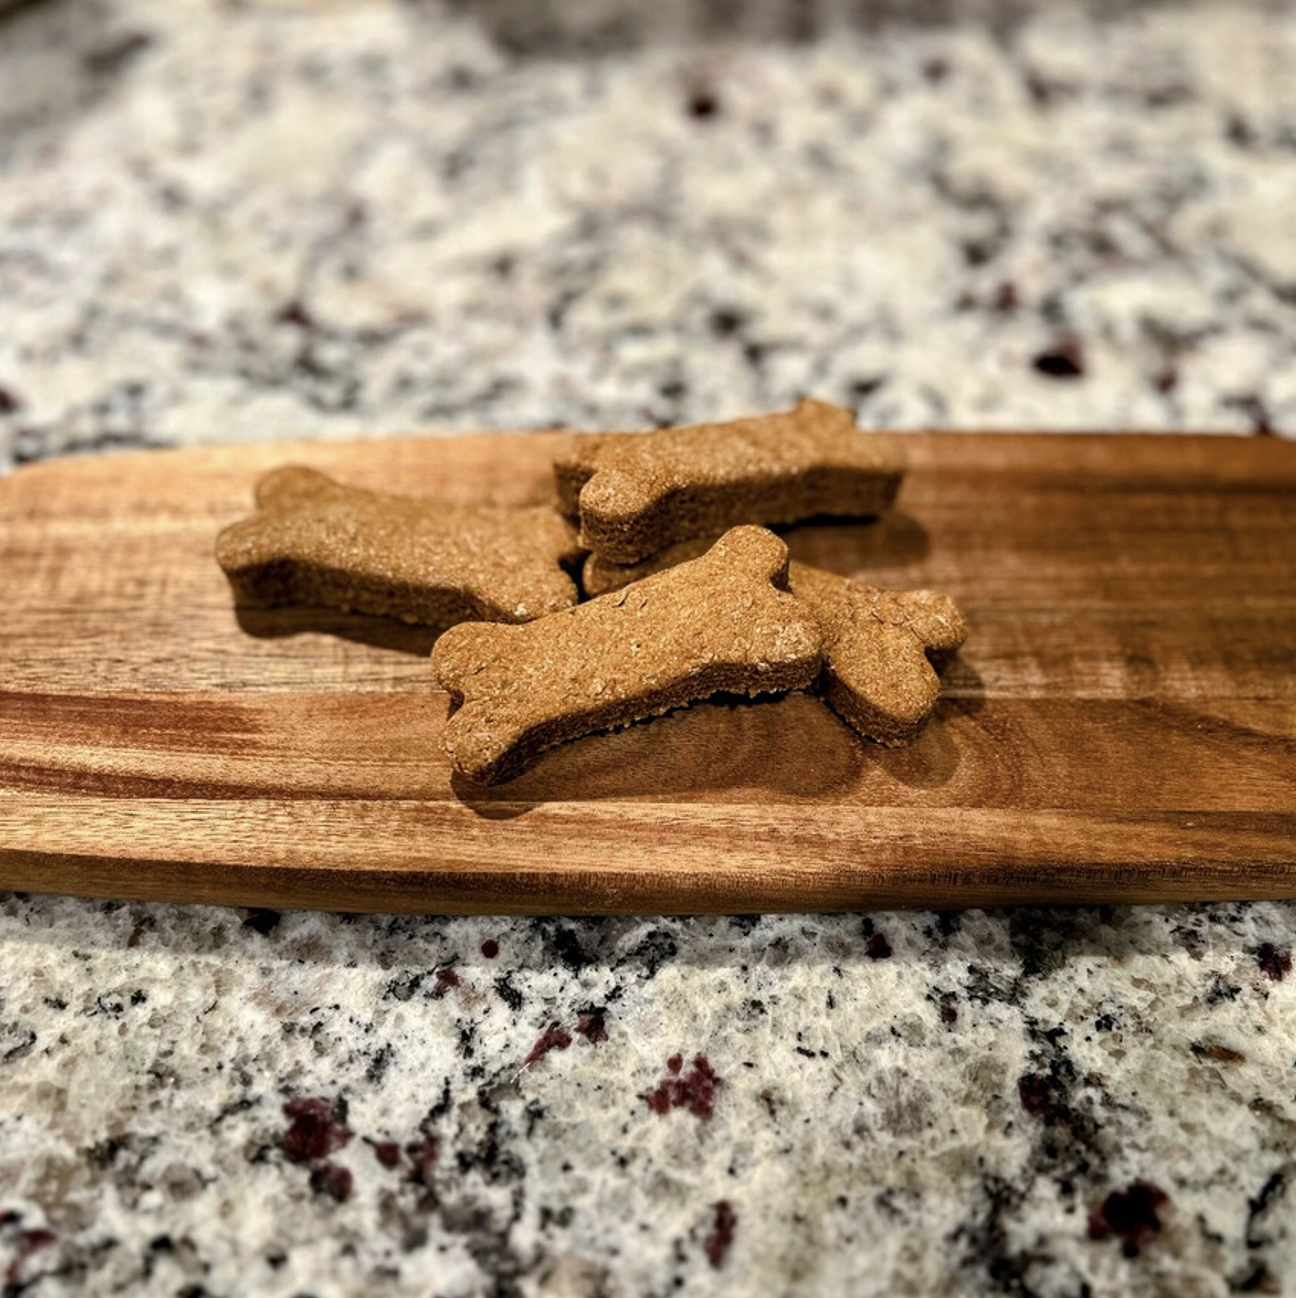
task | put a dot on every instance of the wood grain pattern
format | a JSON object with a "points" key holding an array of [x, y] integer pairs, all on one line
{"points": [[1121, 725]]}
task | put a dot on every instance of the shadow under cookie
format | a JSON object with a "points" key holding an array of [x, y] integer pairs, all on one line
{"points": [[786, 748], [360, 628]]}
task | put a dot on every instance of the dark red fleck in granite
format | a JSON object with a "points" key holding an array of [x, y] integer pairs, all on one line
{"points": [[1166, 380], [877, 947], [315, 1132], [27, 1244], [387, 1152], [330, 1179], [694, 1090], [1273, 963], [263, 921], [9, 402], [490, 948], [1005, 298], [1041, 1096], [1130, 1215], [592, 1026], [554, 1037], [423, 1157], [445, 980], [721, 1237], [1063, 360], [936, 70], [295, 313], [948, 1011]]}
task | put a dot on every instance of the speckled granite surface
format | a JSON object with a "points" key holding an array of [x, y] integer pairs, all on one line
{"points": [[242, 222]]}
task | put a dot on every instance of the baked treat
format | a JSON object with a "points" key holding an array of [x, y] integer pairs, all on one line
{"points": [[314, 541], [721, 622], [636, 493], [600, 575], [881, 647]]}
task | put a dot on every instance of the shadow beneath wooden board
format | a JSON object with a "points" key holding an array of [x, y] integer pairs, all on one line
{"points": [[790, 748]]}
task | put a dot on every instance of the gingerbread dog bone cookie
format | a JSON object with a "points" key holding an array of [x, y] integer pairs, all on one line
{"points": [[314, 541], [881, 647], [636, 493], [721, 622]]}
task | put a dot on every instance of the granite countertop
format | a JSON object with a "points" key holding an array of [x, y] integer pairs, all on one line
{"points": [[224, 222]]}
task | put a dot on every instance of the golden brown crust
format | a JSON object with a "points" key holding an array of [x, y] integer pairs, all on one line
{"points": [[315, 541], [878, 645], [636, 493], [721, 622], [881, 647]]}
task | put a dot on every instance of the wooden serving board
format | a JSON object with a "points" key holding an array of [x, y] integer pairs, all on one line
{"points": [[1120, 726]]}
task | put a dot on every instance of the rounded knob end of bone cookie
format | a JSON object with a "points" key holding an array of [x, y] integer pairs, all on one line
{"points": [[614, 493], [757, 546]]}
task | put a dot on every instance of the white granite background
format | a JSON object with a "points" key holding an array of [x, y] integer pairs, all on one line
{"points": [[242, 221]]}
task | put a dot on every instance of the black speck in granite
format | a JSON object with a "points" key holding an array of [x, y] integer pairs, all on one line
{"points": [[982, 1241], [703, 104], [727, 321], [656, 949], [568, 950], [116, 52], [403, 987], [508, 993], [380, 1063], [861, 389], [262, 921], [1064, 359]]}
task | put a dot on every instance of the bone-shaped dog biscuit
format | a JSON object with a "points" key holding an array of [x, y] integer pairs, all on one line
{"points": [[314, 541], [722, 622], [881, 647], [881, 651], [600, 575], [636, 493]]}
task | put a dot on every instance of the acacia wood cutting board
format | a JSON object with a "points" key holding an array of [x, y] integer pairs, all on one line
{"points": [[1120, 726]]}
